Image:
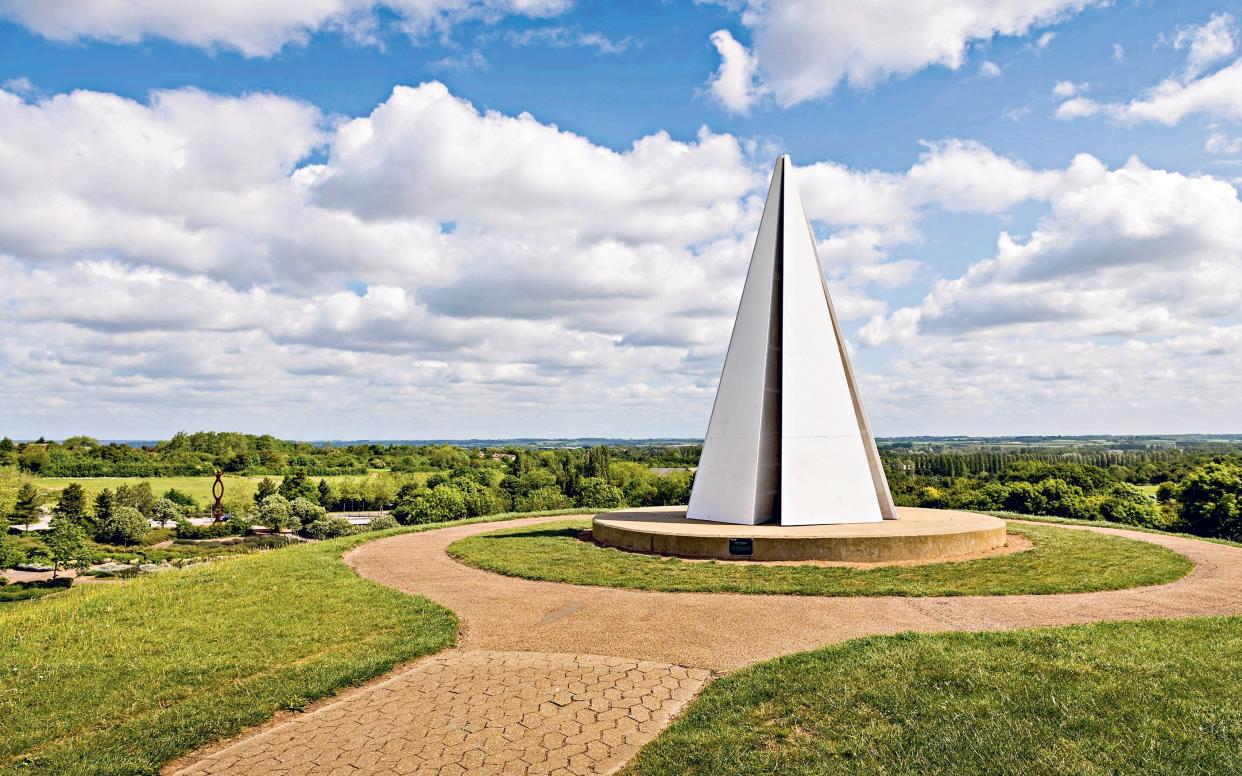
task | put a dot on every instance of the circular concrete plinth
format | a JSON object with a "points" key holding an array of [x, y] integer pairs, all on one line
{"points": [[918, 534]]}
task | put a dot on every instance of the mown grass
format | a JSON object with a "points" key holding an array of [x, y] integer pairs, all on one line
{"points": [[1110, 524], [1061, 561], [1149, 697], [121, 678]]}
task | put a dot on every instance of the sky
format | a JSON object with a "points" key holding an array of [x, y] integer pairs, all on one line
{"points": [[500, 218]]}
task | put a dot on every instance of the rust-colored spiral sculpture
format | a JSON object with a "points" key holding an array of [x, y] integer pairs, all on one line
{"points": [[217, 490]]}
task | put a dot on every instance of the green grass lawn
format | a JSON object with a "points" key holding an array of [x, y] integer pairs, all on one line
{"points": [[1109, 524], [1149, 697], [1062, 561], [121, 678]]}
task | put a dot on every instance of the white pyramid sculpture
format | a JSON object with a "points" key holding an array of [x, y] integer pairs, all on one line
{"points": [[788, 440]]}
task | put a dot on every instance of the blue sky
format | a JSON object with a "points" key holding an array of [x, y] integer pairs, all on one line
{"points": [[458, 218]]}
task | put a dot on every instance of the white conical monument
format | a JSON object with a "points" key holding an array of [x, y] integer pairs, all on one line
{"points": [[788, 440]]}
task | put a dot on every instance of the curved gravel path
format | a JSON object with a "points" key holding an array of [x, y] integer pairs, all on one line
{"points": [[669, 644]]}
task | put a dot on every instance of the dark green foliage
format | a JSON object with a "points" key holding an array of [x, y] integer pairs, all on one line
{"points": [[26, 510], [105, 502], [26, 591], [72, 504], [298, 486], [1210, 501], [184, 500], [324, 494], [266, 487]]}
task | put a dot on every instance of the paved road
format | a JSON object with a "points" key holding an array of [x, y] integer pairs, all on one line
{"points": [[560, 679]]}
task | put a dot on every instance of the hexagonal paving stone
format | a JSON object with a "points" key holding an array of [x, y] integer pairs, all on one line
{"points": [[476, 712]]}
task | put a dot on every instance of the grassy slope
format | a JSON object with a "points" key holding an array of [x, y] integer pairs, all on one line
{"points": [[122, 678], [1061, 561], [1152, 697], [1109, 524]]}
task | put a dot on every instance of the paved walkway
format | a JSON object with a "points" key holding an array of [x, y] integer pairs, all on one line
{"points": [[531, 651]]}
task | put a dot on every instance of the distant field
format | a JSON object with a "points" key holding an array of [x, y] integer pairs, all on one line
{"points": [[197, 487]]}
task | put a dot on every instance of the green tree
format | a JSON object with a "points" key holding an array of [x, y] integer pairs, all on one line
{"points": [[26, 509], [66, 544], [274, 513], [126, 525], [543, 500], [72, 503], [33, 459], [297, 486], [6, 445], [596, 493], [266, 488], [165, 511], [305, 511], [324, 492], [105, 503], [1209, 501], [139, 497], [184, 500], [440, 504]]}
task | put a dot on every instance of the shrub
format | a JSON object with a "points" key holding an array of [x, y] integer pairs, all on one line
{"points": [[597, 493], [1210, 501], [443, 503], [328, 528], [125, 525], [1127, 504], [543, 500], [274, 513], [382, 523], [165, 511], [212, 530], [306, 511]]}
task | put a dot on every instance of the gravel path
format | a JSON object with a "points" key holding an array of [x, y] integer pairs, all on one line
{"points": [[419, 720]]}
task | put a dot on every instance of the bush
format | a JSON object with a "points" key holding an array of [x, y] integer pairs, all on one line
{"points": [[382, 523], [1127, 504], [443, 503], [125, 525], [328, 528], [212, 530], [165, 511], [1210, 501], [306, 511], [274, 513], [542, 500], [596, 493]]}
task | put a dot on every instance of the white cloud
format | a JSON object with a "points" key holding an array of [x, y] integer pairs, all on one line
{"points": [[1077, 108], [255, 30], [1119, 52], [734, 83], [1206, 44], [439, 270], [563, 37], [1217, 94], [1069, 88], [989, 69], [803, 49], [1220, 143]]}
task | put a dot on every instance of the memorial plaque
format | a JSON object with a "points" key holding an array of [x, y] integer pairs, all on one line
{"points": [[742, 547]]}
